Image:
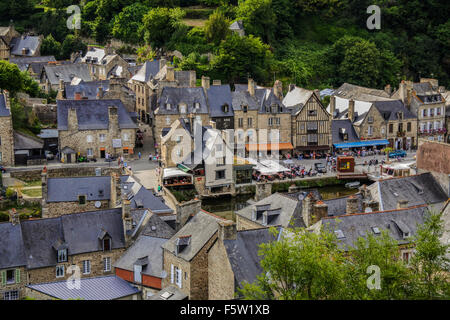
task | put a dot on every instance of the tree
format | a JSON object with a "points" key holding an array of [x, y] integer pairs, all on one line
{"points": [[145, 53], [159, 24], [72, 44], [50, 47], [10, 77], [126, 23], [259, 18], [217, 27], [240, 57], [430, 261]]}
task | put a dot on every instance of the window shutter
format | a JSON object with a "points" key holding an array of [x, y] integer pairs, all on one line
{"points": [[179, 277], [171, 273], [3, 277], [17, 275]]}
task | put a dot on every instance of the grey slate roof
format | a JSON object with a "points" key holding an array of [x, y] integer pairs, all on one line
{"points": [[144, 247], [98, 288], [174, 292], [12, 251], [67, 72], [338, 206], [389, 109], [351, 91], [31, 43], [68, 189], [26, 142], [418, 190], [87, 89], [158, 228], [79, 231], [177, 95], [218, 96], [354, 226], [147, 71], [29, 60], [93, 114], [241, 98], [4, 112], [345, 124], [201, 228], [290, 214], [243, 253], [48, 133]]}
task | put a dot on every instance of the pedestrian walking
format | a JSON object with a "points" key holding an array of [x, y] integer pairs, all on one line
{"points": [[139, 155]]}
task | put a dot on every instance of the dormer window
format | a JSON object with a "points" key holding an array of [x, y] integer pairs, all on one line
{"points": [[82, 199], [62, 255], [107, 244], [245, 109], [225, 108], [182, 108], [197, 105], [168, 106], [182, 243]]}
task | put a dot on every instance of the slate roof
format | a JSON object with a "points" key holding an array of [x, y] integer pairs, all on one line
{"points": [[25, 42], [218, 96], [144, 247], [389, 109], [396, 222], [174, 292], [67, 72], [29, 60], [237, 25], [338, 206], [48, 134], [297, 96], [4, 111], [147, 71], [418, 190], [26, 142], [241, 98], [157, 228], [243, 253], [290, 213], [98, 288], [201, 228], [423, 89], [93, 114], [177, 95], [336, 137], [12, 251], [351, 91], [68, 189], [88, 89]]}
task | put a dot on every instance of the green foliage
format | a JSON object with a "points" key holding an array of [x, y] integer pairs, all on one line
{"points": [[72, 44], [126, 23], [145, 53], [10, 77], [159, 24], [259, 18], [51, 47], [217, 27]]}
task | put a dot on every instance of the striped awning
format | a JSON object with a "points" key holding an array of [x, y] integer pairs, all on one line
{"points": [[358, 144], [268, 146]]}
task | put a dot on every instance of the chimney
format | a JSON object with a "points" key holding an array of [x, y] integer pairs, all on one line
{"points": [[185, 210], [205, 83], [307, 209], [162, 63], [351, 110], [251, 87], [278, 89], [402, 91], [192, 78], [263, 190], [14, 217], [320, 211], [100, 93], [332, 106], [372, 205], [113, 121], [291, 87], [217, 82], [227, 230], [402, 204], [352, 205], [72, 120], [109, 50], [388, 89], [409, 88], [127, 220], [78, 96], [170, 75]]}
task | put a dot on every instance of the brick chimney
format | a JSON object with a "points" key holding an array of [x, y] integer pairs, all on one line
{"points": [[352, 205], [205, 83], [14, 217], [227, 230], [251, 87], [402, 204], [170, 75], [351, 110], [332, 106], [78, 96], [372, 205], [72, 119], [320, 211], [185, 210], [278, 89]]}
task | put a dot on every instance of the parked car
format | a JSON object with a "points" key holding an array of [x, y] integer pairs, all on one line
{"points": [[320, 167], [2, 169], [49, 155], [397, 153]]}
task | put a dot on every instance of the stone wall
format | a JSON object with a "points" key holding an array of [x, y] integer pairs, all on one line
{"points": [[15, 286], [185, 210], [72, 171], [170, 259], [7, 141], [246, 224], [46, 113], [220, 275], [56, 209]]}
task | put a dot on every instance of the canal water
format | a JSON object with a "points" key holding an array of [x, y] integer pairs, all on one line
{"points": [[227, 206]]}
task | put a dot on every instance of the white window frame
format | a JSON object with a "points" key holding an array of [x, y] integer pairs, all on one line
{"points": [[107, 264], [61, 272], [90, 152], [62, 255], [102, 137], [11, 295], [86, 266], [89, 138]]}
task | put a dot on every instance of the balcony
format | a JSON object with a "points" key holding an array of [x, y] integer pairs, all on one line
{"points": [[430, 132]]}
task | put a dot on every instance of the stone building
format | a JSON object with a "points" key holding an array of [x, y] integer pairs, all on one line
{"points": [[95, 127], [104, 64], [26, 46], [311, 123], [33, 65], [185, 255], [52, 75], [7, 34], [234, 260], [46, 250], [6, 131], [426, 101]]}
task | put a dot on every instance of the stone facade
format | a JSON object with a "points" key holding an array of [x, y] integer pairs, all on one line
{"points": [[56, 209], [6, 35], [17, 285], [246, 224], [6, 139], [194, 273], [221, 284], [372, 127]]}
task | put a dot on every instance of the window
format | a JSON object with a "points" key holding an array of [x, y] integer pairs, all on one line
{"points": [[408, 127], [86, 266], [183, 108], [126, 136], [312, 113], [62, 255], [240, 122], [137, 273], [81, 199], [168, 120], [424, 113], [197, 105], [370, 119], [102, 137], [0, 141], [245, 108], [11, 295], [370, 130], [168, 106], [89, 138], [406, 256], [107, 244], [383, 130], [220, 174], [179, 277], [400, 127], [107, 264], [391, 128], [225, 108], [89, 152], [312, 138], [249, 122], [59, 271], [10, 276], [0, 157], [220, 161]]}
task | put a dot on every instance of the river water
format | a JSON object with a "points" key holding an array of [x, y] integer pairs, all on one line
{"points": [[227, 206]]}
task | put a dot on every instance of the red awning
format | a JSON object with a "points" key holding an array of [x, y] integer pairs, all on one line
{"points": [[268, 146]]}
